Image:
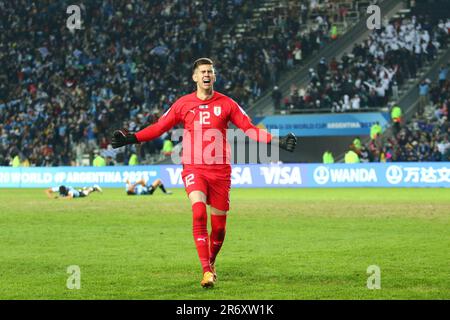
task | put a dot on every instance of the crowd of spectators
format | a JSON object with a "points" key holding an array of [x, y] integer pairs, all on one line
{"points": [[373, 71], [423, 138], [61, 90]]}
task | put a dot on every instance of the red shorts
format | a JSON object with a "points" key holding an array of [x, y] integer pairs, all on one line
{"points": [[214, 182]]}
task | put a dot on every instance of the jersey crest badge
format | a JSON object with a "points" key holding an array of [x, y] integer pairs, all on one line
{"points": [[217, 110]]}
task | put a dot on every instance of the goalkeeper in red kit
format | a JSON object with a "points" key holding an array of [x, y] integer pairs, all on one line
{"points": [[206, 174]]}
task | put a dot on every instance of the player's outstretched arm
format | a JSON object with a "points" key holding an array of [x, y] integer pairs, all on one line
{"points": [[169, 119], [242, 121], [287, 142], [123, 137], [49, 193]]}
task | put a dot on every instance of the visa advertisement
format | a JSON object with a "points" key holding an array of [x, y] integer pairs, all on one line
{"points": [[317, 125], [398, 175]]}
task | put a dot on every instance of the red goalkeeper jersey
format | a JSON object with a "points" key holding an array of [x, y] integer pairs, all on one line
{"points": [[205, 127]]}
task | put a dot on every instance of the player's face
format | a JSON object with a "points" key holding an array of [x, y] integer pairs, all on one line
{"points": [[204, 76]]}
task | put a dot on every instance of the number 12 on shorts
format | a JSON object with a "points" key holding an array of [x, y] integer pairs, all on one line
{"points": [[189, 179]]}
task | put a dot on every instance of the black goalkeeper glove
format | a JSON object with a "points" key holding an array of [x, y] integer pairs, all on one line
{"points": [[122, 137], [288, 142]]}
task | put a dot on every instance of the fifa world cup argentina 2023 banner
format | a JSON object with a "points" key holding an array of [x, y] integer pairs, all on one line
{"points": [[317, 125], [398, 174]]}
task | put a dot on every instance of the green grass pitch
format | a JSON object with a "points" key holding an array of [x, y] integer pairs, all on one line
{"points": [[280, 244]]}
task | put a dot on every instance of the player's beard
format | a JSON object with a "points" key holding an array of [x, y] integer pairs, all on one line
{"points": [[207, 91]]}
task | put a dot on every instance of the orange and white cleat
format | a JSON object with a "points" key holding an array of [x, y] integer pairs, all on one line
{"points": [[213, 270], [208, 280]]}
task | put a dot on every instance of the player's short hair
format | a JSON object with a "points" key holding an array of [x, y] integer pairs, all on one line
{"points": [[130, 193], [200, 62], [63, 191]]}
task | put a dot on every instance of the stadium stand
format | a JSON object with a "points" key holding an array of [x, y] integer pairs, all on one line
{"points": [[365, 79], [423, 134], [61, 90], [424, 137], [355, 30], [407, 95]]}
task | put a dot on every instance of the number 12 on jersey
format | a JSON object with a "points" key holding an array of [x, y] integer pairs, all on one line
{"points": [[204, 117]]}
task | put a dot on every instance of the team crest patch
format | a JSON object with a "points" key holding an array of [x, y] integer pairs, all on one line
{"points": [[217, 110]]}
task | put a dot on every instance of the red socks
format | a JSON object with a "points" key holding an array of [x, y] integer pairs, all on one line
{"points": [[200, 232], [218, 223], [206, 252]]}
